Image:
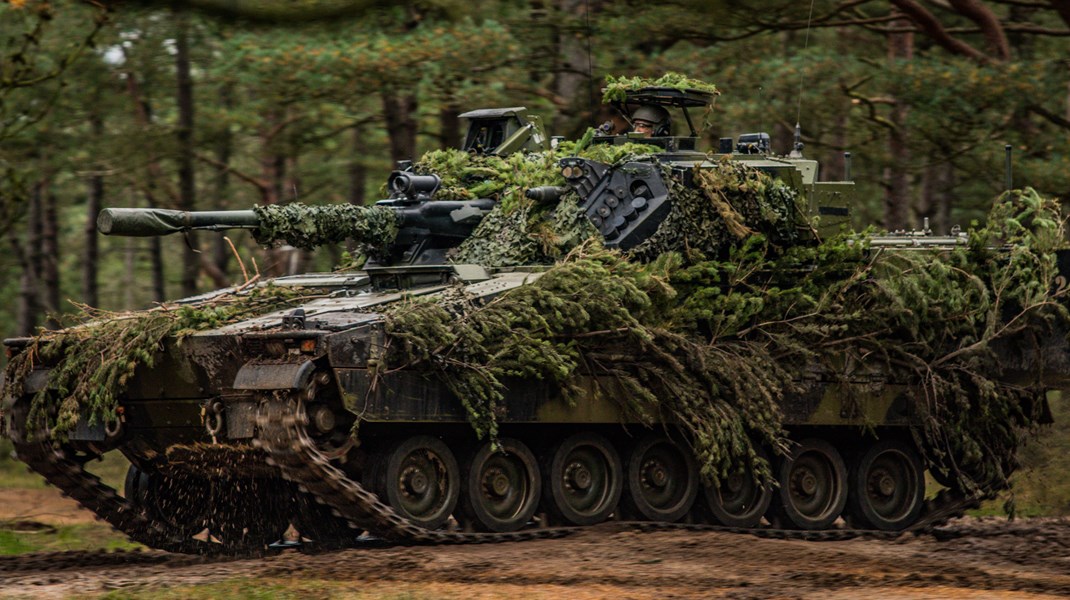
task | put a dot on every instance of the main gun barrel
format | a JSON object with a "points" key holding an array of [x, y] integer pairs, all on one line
{"points": [[158, 221]]}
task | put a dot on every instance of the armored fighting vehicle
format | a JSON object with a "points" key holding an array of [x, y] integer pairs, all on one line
{"points": [[313, 412]]}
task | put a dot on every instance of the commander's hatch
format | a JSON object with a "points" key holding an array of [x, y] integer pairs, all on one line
{"points": [[669, 98], [503, 131]]}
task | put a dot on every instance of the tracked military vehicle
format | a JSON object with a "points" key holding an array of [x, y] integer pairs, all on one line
{"points": [[298, 416]]}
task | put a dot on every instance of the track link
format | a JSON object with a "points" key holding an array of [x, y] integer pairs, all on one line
{"points": [[67, 474], [283, 435], [282, 425], [938, 511], [62, 469]]}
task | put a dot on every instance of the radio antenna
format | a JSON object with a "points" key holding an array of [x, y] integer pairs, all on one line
{"points": [[797, 149]]}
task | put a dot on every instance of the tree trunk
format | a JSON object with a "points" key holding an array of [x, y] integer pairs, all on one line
{"points": [[143, 113], [935, 202], [221, 251], [130, 273], [835, 166], [295, 258], [159, 285], [27, 310], [896, 178], [29, 307], [292, 183], [186, 183], [450, 134], [270, 161], [272, 167], [572, 72], [399, 111], [991, 28], [358, 170], [50, 292], [94, 200]]}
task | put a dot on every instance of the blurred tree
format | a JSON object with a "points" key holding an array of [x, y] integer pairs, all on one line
{"points": [[165, 108]]}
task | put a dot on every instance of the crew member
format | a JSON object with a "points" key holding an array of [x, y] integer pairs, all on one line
{"points": [[651, 120]]}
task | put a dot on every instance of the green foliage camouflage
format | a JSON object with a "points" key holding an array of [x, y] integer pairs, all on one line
{"points": [[715, 207], [93, 362], [725, 205], [617, 88], [519, 231], [717, 343], [301, 226], [596, 314]]}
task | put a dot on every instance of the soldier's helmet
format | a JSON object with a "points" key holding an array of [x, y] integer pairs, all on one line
{"points": [[651, 119]]}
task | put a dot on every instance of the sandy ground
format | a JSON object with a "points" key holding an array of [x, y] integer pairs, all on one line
{"points": [[970, 558], [41, 505]]}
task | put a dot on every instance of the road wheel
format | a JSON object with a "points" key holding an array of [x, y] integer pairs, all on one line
{"points": [[584, 479], [249, 513], [175, 500], [502, 487], [887, 486], [662, 480], [420, 479], [317, 522], [813, 485], [740, 499]]}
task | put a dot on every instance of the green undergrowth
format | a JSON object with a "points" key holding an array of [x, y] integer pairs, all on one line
{"points": [[717, 343], [22, 538], [92, 362], [1041, 487], [15, 475]]}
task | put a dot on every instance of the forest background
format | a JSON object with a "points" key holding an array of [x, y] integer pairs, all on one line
{"points": [[225, 104]]}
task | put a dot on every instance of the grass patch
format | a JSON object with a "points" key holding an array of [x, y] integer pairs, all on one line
{"points": [[14, 474], [88, 536], [1042, 486], [111, 469]]}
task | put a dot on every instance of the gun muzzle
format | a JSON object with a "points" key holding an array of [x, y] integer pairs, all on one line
{"points": [[546, 194]]}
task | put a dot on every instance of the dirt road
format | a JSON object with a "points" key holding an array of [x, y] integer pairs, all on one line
{"points": [[968, 559]]}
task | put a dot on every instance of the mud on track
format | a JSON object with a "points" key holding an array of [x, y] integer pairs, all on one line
{"points": [[969, 558]]}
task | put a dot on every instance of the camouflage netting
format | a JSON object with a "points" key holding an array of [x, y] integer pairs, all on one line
{"points": [[520, 231], [93, 362], [371, 227], [714, 208], [715, 343], [725, 205]]}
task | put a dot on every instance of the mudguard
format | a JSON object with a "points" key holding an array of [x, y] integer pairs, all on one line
{"points": [[262, 375]]}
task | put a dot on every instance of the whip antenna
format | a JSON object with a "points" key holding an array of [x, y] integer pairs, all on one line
{"points": [[797, 149]]}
